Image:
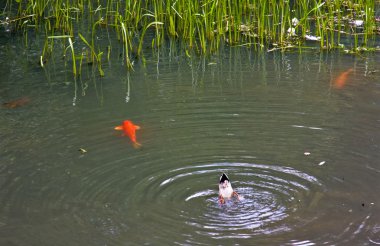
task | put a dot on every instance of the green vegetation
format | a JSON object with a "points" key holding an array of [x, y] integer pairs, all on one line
{"points": [[203, 26]]}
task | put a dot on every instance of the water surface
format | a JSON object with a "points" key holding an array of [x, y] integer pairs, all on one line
{"points": [[252, 115]]}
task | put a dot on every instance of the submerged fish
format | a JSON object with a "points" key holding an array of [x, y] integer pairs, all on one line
{"points": [[226, 191], [129, 130], [17, 102], [340, 82]]}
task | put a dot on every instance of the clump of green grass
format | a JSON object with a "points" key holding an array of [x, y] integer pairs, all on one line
{"points": [[204, 26]]}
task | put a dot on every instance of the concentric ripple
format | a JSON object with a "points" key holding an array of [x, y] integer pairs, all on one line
{"points": [[270, 194]]}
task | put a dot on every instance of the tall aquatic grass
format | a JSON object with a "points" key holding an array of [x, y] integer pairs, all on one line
{"points": [[203, 26]]}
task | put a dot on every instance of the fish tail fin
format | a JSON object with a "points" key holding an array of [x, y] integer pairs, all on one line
{"points": [[119, 128], [137, 145], [137, 127]]}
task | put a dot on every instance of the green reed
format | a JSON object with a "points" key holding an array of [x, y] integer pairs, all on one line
{"points": [[202, 25], [94, 56]]}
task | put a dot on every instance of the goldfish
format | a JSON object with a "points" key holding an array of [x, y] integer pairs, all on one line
{"points": [[225, 189], [17, 103], [129, 130], [340, 82]]}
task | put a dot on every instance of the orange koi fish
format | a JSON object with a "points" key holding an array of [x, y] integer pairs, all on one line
{"points": [[129, 130], [340, 82], [17, 103]]}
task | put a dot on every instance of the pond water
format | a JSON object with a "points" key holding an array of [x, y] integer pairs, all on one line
{"points": [[301, 151]]}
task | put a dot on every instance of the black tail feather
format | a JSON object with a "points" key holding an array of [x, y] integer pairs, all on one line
{"points": [[223, 178]]}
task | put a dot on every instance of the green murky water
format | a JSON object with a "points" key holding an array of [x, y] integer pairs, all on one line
{"points": [[253, 116]]}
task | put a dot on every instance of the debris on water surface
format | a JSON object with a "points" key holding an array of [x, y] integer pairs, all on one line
{"points": [[322, 163], [295, 21], [291, 31], [357, 22], [81, 150], [306, 153], [312, 38]]}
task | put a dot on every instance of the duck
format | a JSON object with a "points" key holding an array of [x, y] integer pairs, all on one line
{"points": [[226, 191]]}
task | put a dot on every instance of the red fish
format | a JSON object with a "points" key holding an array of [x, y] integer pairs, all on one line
{"points": [[129, 130], [17, 103], [340, 82]]}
